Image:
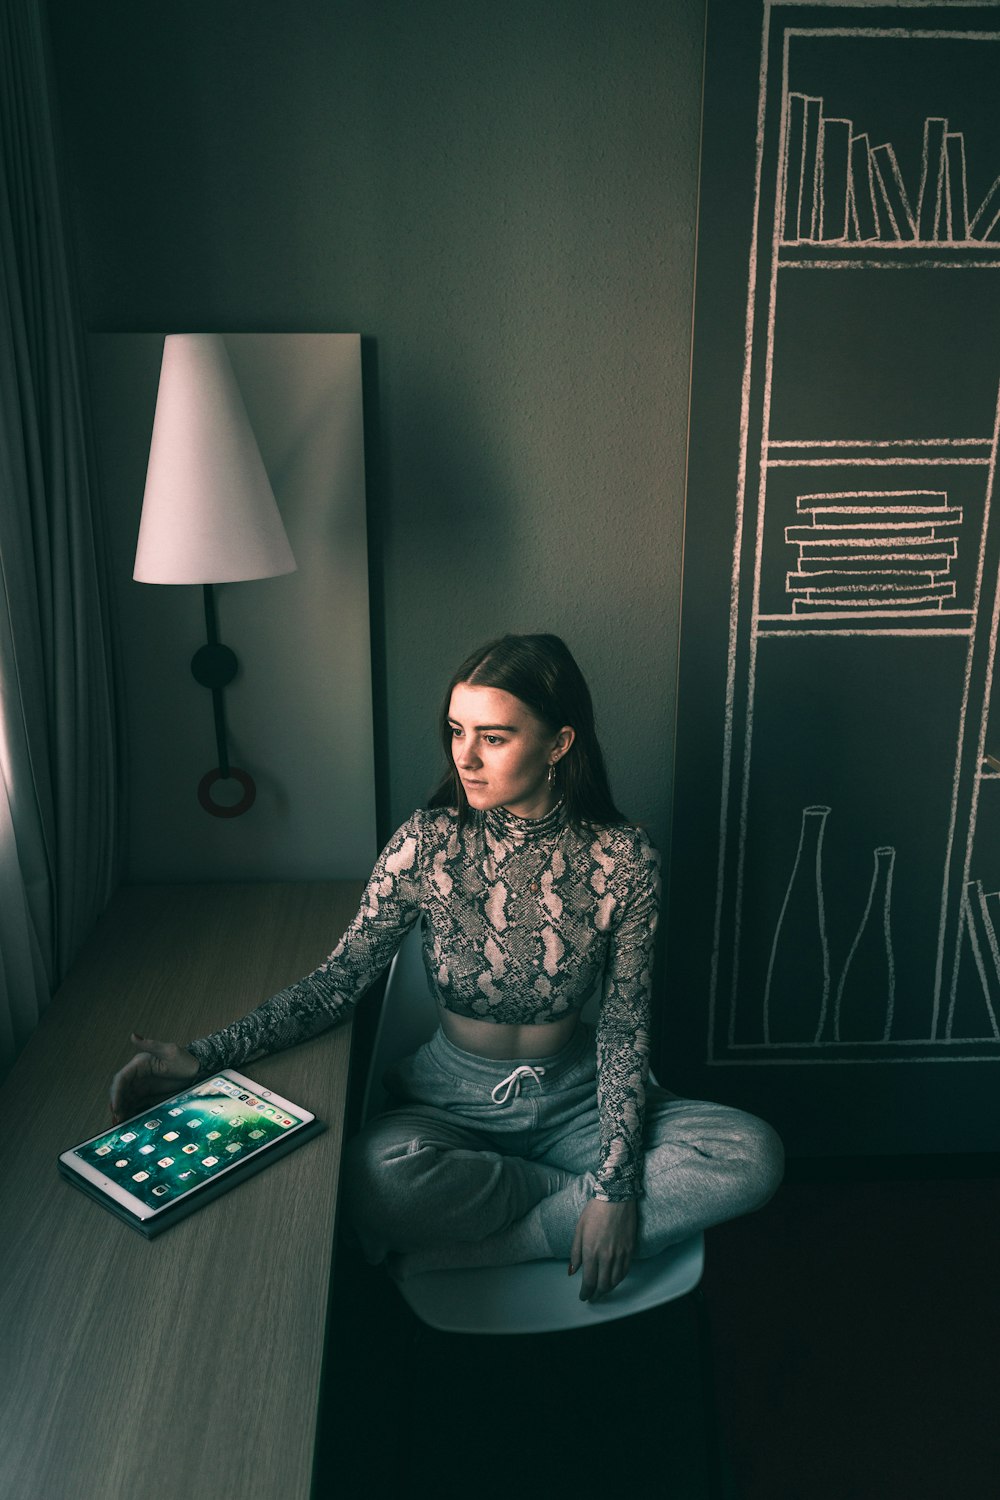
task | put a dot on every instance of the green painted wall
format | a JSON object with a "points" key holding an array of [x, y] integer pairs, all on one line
{"points": [[501, 198]]}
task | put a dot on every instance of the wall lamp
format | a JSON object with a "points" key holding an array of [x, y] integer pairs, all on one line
{"points": [[208, 514]]}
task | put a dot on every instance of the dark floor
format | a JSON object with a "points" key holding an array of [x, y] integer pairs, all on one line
{"points": [[856, 1335]]}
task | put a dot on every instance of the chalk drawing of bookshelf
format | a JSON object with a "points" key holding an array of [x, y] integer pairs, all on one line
{"points": [[858, 902]]}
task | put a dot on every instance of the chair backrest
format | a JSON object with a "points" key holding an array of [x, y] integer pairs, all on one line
{"points": [[409, 1018]]}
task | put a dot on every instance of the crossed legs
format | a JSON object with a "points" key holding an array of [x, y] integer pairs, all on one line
{"points": [[432, 1191]]}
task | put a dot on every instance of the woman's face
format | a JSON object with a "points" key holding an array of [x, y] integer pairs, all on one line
{"points": [[502, 752]]}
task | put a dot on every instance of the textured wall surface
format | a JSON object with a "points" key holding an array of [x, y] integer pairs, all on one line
{"points": [[501, 199]]}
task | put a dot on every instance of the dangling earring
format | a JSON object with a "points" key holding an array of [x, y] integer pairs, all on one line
{"points": [[552, 773]]}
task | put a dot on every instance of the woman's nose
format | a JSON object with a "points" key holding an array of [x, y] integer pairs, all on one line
{"points": [[468, 756]]}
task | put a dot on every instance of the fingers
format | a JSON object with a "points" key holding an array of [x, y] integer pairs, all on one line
{"points": [[155, 1072], [576, 1251], [127, 1092], [602, 1273], [125, 1097], [158, 1051], [120, 1089], [595, 1278]]}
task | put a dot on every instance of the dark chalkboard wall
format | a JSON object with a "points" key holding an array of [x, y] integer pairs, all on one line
{"points": [[834, 943]]}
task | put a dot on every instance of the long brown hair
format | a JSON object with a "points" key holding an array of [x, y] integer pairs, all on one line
{"points": [[541, 672]]}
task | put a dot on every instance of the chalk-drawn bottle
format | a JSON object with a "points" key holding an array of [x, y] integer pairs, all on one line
{"points": [[867, 990], [797, 988]]}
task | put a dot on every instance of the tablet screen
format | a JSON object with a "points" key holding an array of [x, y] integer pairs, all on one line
{"points": [[153, 1160]]}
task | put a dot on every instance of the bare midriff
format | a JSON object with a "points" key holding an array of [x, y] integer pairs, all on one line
{"points": [[489, 1039]]}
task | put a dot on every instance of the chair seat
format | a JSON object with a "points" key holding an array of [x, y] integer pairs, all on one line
{"points": [[539, 1297]]}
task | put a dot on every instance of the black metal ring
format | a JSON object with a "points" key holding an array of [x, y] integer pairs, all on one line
{"points": [[209, 780]]}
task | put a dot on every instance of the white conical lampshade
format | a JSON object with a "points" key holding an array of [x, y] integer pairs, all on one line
{"points": [[208, 513]]}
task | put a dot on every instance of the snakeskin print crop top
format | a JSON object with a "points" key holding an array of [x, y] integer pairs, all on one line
{"points": [[521, 919]]}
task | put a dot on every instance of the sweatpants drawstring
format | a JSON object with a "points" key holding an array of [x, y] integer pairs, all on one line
{"points": [[512, 1083]]}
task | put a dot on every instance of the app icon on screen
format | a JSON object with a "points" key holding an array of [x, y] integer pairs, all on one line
{"points": [[146, 1150], [122, 1161], [152, 1124], [183, 1176], [213, 1135], [165, 1161], [255, 1135], [189, 1149], [139, 1176], [128, 1135], [176, 1112], [170, 1135], [194, 1124], [234, 1146], [103, 1150], [161, 1190], [209, 1161]]}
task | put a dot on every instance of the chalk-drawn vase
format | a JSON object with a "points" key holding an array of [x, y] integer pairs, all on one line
{"points": [[797, 989], [866, 993]]}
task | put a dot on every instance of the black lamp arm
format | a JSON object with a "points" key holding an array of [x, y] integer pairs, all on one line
{"points": [[214, 666]]}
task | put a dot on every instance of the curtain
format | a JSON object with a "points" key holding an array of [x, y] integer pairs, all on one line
{"points": [[58, 754]]}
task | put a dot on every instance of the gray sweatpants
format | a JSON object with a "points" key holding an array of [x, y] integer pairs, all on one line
{"points": [[487, 1161]]}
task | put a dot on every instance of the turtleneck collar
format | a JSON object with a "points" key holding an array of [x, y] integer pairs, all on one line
{"points": [[506, 825]]}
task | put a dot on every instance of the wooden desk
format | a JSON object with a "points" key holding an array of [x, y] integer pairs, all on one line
{"points": [[187, 1366]]}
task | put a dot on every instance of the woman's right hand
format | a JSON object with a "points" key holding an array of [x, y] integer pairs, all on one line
{"points": [[159, 1070]]}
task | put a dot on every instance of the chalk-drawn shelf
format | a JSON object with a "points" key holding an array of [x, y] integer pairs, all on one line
{"points": [[878, 256], [940, 623]]}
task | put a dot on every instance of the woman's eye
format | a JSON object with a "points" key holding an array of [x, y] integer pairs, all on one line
{"points": [[454, 732], [492, 739]]}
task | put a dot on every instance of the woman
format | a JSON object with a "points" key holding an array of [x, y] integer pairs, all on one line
{"points": [[516, 1133]]}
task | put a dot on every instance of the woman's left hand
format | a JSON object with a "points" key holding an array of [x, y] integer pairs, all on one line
{"points": [[603, 1245]]}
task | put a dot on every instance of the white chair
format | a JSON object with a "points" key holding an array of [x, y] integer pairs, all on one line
{"points": [[536, 1296]]}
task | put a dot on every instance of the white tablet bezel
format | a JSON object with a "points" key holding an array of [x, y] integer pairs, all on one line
{"points": [[113, 1188]]}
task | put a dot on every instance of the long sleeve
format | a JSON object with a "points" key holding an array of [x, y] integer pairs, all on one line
{"points": [[623, 1032], [389, 907]]}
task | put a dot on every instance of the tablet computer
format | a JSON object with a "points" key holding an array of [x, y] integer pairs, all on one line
{"points": [[157, 1167]]}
